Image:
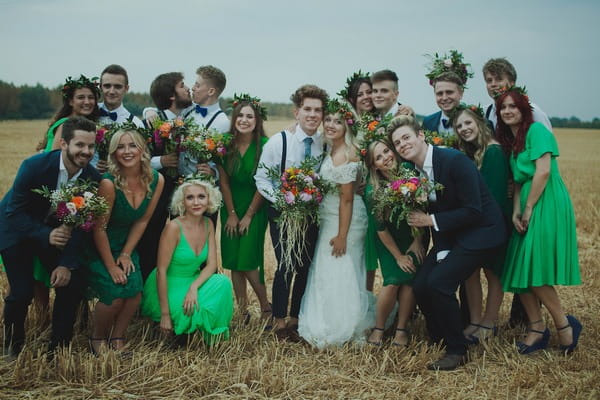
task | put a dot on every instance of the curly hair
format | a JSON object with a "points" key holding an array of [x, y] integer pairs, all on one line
{"points": [[214, 75], [163, 88], [477, 148], [509, 142], [115, 169], [214, 196], [311, 92]]}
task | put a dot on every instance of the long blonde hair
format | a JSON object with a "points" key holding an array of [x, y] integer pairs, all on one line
{"points": [[476, 149], [114, 167], [376, 179]]}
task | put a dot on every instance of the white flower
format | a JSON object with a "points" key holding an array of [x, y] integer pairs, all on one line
{"points": [[72, 208], [404, 190], [88, 195], [448, 63]]}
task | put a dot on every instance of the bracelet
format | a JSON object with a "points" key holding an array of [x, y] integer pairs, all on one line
{"points": [[232, 211], [250, 208], [123, 254]]}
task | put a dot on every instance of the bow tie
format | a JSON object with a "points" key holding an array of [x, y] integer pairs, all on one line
{"points": [[445, 123], [110, 114], [201, 110]]}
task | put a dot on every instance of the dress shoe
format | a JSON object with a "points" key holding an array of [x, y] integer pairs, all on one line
{"points": [[577, 328], [540, 344], [281, 334], [293, 335], [448, 363]]}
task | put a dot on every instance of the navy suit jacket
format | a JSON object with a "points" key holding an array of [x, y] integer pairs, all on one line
{"points": [[465, 211], [432, 122], [23, 213]]}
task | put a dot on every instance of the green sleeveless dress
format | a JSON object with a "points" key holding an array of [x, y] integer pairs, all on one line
{"points": [[122, 218], [215, 296]]}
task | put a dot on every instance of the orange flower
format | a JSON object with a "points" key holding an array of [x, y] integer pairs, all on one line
{"points": [[79, 201], [411, 186], [179, 122], [437, 140], [165, 129], [210, 144], [372, 125]]}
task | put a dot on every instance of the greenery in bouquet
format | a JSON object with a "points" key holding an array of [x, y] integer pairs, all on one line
{"points": [[452, 62], [406, 192], [76, 205], [206, 145], [166, 137], [441, 139], [370, 127]]}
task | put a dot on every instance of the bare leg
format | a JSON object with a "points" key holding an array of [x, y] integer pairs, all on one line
{"points": [[549, 297], [239, 288], [407, 301], [474, 298], [370, 280], [259, 289], [104, 319], [385, 303], [122, 320], [533, 309], [494, 299]]}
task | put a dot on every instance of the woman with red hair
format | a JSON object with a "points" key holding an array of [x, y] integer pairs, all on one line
{"points": [[542, 251]]}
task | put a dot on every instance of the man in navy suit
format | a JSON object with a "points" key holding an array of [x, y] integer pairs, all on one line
{"points": [[467, 228], [448, 89], [27, 230]]}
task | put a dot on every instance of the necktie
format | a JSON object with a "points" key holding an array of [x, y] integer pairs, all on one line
{"points": [[201, 110], [110, 114], [307, 143], [445, 123]]}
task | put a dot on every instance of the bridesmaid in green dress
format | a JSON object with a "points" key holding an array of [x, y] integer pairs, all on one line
{"points": [[542, 251], [243, 216], [398, 251], [131, 188], [476, 141], [179, 293]]}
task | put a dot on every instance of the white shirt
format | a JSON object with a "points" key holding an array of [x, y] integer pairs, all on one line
{"points": [[63, 174], [221, 122], [271, 157], [122, 116], [392, 111], [155, 160], [538, 116], [441, 128]]}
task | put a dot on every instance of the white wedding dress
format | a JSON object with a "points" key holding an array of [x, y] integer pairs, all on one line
{"points": [[336, 306]]}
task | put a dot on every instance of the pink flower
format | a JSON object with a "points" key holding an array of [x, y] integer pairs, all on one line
{"points": [[414, 180], [396, 185], [305, 197], [289, 197]]}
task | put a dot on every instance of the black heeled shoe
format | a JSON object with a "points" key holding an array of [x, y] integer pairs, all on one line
{"points": [[395, 343], [537, 345], [378, 342], [577, 328]]}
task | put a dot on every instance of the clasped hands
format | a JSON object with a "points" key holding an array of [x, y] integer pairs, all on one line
{"points": [[122, 268], [235, 226]]}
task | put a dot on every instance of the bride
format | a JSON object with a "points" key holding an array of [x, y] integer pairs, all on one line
{"points": [[335, 306]]}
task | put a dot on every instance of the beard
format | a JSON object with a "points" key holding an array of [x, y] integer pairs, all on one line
{"points": [[182, 103], [72, 157]]}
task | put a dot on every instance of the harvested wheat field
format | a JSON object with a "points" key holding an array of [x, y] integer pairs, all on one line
{"points": [[252, 365]]}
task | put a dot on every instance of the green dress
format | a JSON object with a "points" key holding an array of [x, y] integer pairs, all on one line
{"points": [[245, 252], [495, 172], [215, 297], [122, 218], [371, 258], [547, 253], [391, 272], [50, 133]]}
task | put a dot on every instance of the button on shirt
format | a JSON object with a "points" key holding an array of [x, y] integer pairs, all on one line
{"points": [[271, 157]]}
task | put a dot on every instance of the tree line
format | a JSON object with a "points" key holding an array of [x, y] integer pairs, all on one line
{"points": [[39, 102]]}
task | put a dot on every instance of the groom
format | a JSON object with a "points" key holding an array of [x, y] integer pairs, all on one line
{"points": [[467, 228], [26, 231], [283, 150]]}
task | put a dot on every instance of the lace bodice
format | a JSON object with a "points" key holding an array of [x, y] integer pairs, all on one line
{"points": [[340, 174]]}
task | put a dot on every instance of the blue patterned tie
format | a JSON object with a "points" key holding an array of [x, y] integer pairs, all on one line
{"points": [[110, 114], [445, 123], [307, 143], [201, 110]]}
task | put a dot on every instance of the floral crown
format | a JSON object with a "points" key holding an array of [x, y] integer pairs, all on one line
{"points": [[253, 101], [449, 63], [71, 84], [345, 92], [334, 106], [462, 106], [371, 129], [196, 176], [521, 90]]}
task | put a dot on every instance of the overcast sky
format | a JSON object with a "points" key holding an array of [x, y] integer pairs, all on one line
{"points": [[271, 47]]}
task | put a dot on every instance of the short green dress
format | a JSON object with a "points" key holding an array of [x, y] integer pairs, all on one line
{"points": [[371, 258], [215, 297], [122, 218], [244, 252], [547, 253], [391, 272], [495, 171]]}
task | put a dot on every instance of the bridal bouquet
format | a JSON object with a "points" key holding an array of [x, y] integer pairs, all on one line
{"points": [[167, 137], [200, 146], [406, 192], [76, 205], [297, 199], [441, 139]]}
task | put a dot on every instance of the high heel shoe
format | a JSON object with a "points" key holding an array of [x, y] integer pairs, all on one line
{"points": [[537, 345], [577, 328], [377, 342], [405, 331]]}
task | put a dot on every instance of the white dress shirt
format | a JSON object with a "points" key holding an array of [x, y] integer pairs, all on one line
{"points": [[63, 174], [538, 116], [122, 116], [272, 153], [221, 122], [441, 128], [392, 111]]}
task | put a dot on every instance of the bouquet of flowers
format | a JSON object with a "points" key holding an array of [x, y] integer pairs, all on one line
{"points": [[297, 199], [76, 205], [441, 139], [370, 127], [167, 137], [406, 192], [200, 146]]}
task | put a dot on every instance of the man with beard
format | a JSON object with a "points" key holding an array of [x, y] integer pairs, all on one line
{"points": [[26, 231]]}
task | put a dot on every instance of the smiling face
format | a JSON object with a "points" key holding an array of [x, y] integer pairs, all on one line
{"points": [[334, 127], [113, 88], [79, 151], [384, 159], [195, 200], [83, 102], [309, 115], [128, 154], [364, 99], [510, 113], [246, 120], [447, 95], [385, 94], [410, 144], [466, 127]]}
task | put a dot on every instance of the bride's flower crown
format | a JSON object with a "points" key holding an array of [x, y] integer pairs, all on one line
{"points": [[335, 106]]}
